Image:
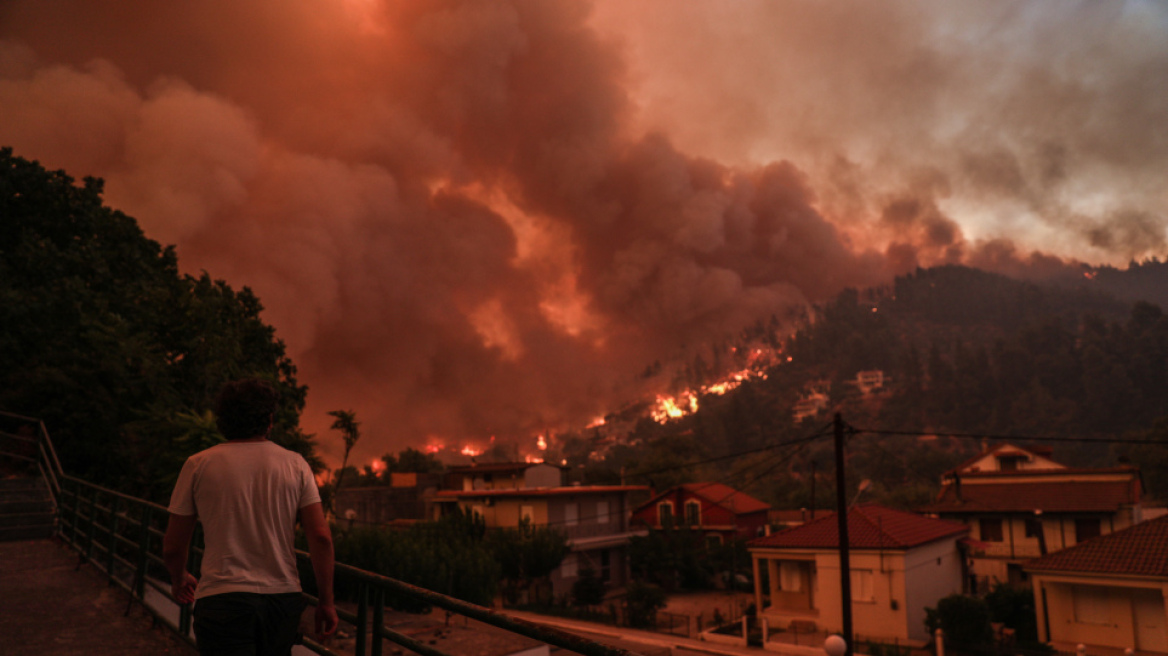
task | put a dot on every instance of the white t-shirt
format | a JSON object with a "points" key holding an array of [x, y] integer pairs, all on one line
{"points": [[247, 496]]}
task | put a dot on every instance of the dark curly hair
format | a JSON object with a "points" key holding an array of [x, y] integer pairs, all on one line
{"points": [[245, 407]]}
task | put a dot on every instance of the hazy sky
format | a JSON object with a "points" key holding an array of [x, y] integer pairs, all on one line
{"points": [[476, 218]]}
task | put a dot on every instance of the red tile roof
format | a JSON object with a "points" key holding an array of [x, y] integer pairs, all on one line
{"points": [[1140, 550], [539, 491], [1028, 496], [727, 497], [870, 526]]}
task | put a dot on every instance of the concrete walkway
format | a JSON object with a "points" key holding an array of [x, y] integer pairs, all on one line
{"points": [[49, 607]]}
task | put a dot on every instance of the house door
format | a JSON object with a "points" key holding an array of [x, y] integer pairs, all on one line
{"points": [[1148, 609]]}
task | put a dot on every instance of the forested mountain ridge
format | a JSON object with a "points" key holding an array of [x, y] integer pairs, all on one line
{"points": [[962, 351]]}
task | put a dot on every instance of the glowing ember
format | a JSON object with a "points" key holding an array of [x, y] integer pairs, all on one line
{"points": [[1089, 275], [541, 443]]}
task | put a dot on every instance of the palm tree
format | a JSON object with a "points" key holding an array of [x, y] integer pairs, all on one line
{"points": [[346, 422]]}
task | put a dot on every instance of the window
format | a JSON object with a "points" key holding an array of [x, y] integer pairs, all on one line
{"points": [[693, 513], [569, 569], [862, 585], [571, 514], [527, 513], [1033, 528], [602, 512], [713, 541], [991, 530], [1085, 529], [665, 513], [791, 578]]}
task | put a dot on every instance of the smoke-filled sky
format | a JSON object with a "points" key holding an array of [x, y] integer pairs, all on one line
{"points": [[483, 218]]}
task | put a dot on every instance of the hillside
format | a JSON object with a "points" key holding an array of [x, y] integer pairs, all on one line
{"points": [[961, 350]]}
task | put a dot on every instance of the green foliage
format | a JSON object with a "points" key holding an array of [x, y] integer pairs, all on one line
{"points": [[1013, 606], [412, 461], [346, 422], [448, 556], [526, 554], [964, 620], [589, 589], [643, 600], [676, 557], [103, 338]]}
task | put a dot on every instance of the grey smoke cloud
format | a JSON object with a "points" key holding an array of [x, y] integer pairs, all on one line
{"points": [[470, 219]]}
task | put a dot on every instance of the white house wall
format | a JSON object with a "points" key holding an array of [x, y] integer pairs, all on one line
{"points": [[933, 572]]}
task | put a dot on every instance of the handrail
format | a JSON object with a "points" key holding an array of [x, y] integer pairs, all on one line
{"points": [[121, 535]]}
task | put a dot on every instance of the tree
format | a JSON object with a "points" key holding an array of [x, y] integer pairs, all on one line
{"points": [[965, 621], [644, 600], [104, 339], [346, 422], [526, 554], [589, 589]]}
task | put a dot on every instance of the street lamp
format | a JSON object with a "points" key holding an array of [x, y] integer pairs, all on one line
{"points": [[835, 646]]}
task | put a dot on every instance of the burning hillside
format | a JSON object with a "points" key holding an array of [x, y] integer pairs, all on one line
{"points": [[469, 219]]}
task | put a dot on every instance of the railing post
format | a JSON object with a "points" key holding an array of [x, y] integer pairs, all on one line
{"points": [[143, 551], [378, 618], [92, 524], [76, 512], [113, 537], [362, 617]]}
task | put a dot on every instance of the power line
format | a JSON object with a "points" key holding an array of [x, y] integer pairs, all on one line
{"points": [[822, 433], [1014, 438]]}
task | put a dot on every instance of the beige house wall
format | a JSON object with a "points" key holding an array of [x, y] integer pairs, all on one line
{"points": [[1115, 625]]}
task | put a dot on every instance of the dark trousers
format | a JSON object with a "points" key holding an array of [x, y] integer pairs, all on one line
{"points": [[248, 624]]}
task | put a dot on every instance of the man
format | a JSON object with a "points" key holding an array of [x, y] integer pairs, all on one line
{"points": [[248, 493]]}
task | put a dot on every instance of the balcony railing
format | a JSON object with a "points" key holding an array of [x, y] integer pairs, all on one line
{"points": [[122, 535]]}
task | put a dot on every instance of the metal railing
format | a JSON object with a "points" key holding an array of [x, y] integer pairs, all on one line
{"points": [[121, 535]]}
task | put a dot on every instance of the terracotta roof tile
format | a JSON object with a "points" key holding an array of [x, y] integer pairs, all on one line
{"points": [[870, 526], [1028, 496], [1140, 550], [727, 497]]}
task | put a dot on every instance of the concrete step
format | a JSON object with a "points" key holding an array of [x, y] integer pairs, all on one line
{"points": [[19, 506], [31, 532], [22, 483], [27, 519]]}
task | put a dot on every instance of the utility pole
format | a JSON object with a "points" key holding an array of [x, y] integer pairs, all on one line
{"points": [[841, 494]]}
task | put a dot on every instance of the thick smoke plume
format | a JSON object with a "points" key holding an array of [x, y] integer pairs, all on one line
{"points": [[478, 218]]}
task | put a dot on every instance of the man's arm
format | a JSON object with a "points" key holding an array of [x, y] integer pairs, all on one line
{"points": [[175, 545], [320, 549]]}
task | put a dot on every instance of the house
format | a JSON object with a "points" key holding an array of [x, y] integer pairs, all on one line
{"points": [[869, 381], [402, 501], [1020, 504], [719, 511], [504, 476], [1107, 593], [595, 519], [900, 564], [809, 406]]}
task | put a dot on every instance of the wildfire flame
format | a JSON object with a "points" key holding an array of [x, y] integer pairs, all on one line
{"points": [[674, 407], [469, 450], [532, 459], [378, 466], [541, 443]]}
